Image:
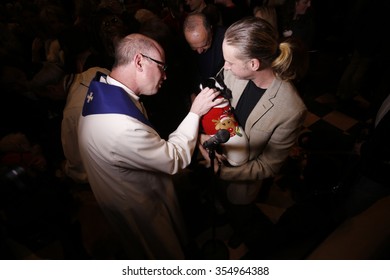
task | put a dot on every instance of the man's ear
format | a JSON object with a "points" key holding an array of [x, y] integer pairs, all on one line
{"points": [[138, 62], [255, 64]]}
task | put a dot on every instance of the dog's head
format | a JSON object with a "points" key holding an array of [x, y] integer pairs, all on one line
{"points": [[217, 83]]}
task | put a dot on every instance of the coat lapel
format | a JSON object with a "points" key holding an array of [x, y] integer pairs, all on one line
{"points": [[265, 103]]}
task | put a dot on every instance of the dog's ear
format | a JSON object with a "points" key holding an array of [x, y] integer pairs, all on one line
{"points": [[225, 91], [217, 82], [209, 82]]}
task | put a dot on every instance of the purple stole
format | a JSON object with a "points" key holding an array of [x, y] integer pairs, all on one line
{"points": [[103, 98]]}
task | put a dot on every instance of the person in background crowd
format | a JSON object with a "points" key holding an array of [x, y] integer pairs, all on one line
{"points": [[297, 21], [195, 6], [202, 6], [268, 13], [230, 11], [206, 40], [371, 176]]}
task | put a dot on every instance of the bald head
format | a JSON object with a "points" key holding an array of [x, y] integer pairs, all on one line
{"points": [[132, 44], [198, 32]]}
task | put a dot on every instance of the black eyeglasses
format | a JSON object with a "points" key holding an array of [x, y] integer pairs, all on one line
{"points": [[161, 64]]}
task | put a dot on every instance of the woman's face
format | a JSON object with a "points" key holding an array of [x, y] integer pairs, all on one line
{"points": [[301, 6], [111, 26]]}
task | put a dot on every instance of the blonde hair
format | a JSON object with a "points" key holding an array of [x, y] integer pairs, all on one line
{"points": [[256, 38]]}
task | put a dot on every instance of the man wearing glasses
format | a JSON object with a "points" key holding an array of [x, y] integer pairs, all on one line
{"points": [[129, 165]]}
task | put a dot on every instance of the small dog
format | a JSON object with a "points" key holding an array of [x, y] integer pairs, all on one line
{"points": [[221, 117]]}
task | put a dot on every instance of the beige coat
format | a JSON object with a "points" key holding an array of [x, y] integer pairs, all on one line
{"points": [[272, 129], [70, 121]]}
